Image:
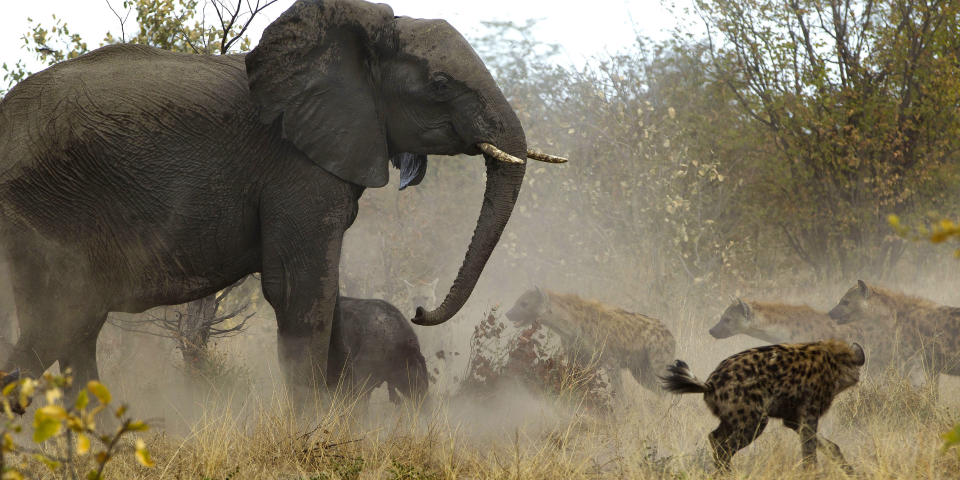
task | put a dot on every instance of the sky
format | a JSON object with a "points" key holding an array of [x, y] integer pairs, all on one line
{"points": [[582, 29]]}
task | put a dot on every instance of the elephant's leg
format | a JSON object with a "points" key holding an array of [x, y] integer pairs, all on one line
{"points": [[80, 355], [59, 312], [300, 280]]}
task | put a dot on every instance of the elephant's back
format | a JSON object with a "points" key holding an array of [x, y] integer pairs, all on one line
{"points": [[372, 321], [109, 93]]}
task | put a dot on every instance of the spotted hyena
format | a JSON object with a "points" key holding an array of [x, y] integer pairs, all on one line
{"points": [[589, 329], [795, 382], [919, 329], [380, 346]]}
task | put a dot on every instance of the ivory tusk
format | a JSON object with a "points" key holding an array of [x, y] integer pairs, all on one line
{"points": [[499, 154], [545, 157]]}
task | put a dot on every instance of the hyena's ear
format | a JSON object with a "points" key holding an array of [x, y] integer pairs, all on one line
{"points": [[542, 295], [858, 356], [747, 311], [864, 289]]}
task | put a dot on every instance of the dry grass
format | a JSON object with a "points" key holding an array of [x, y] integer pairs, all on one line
{"points": [[887, 428], [650, 437]]}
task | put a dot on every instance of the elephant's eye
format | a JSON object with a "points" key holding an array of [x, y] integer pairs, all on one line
{"points": [[440, 87]]}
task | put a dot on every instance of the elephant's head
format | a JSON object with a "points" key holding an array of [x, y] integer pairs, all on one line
{"points": [[354, 87]]}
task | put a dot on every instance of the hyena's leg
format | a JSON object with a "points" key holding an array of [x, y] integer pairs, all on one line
{"points": [[729, 438], [819, 441], [807, 428], [833, 450], [612, 370], [647, 366], [719, 439]]}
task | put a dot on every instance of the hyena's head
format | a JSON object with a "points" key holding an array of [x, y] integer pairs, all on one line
{"points": [[855, 304], [737, 318], [531, 306], [422, 293], [848, 357]]}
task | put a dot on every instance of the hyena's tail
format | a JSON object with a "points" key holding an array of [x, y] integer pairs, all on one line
{"points": [[681, 380]]}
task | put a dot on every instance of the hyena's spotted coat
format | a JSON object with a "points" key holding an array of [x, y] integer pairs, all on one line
{"points": [[621, 339], [794, 382], [919, 329]]}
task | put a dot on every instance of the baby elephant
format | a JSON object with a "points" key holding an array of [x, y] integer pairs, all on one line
{"points": [[380, 346], [795, 382]]}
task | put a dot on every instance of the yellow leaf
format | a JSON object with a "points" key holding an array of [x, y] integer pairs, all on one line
{"points": [[83, 444], [137, 426], [53, 395], [47, 422], [9, 388], [100, 391], [143, 456], [120, 411], [45, 429], [12, 475], [75, 423], [93, 475], [27, 388], [55, 412]]}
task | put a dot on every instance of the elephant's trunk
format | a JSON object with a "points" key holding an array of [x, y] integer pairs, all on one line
{"points": [[503, 186]]}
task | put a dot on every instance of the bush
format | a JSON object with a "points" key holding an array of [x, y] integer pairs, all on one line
{"points": [[527, 359], [66, 433]]}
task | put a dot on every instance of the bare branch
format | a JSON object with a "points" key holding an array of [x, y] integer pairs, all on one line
{"points": [[123, 21], [253, 13]]}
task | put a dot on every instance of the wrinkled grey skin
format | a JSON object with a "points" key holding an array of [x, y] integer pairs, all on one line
{"points": [[380, 346], [132, 177]]}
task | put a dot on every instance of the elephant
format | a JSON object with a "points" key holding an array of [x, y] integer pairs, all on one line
{"points": [[132, 177], [380, 347]]}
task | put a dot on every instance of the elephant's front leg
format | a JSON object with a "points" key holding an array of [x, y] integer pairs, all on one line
{"points": [[300, 280]]}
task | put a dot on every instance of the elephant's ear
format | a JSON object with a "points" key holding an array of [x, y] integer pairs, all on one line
{"points": [[314, 69]]}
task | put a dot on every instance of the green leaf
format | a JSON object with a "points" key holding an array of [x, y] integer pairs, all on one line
{"points": [[45, 429], [93, 475], [951, 438], [47, 422], [82, 400], [53, 465]]}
